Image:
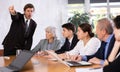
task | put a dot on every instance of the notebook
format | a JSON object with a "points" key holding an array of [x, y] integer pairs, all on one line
{"points": [[69, 63], [17, 64]]}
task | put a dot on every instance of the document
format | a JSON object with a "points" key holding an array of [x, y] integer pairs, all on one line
{"points": [[89, 69]]}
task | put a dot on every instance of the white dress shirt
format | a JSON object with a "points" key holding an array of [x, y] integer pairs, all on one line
{"points": [[27, 22], [70, 40], [90, 48]]}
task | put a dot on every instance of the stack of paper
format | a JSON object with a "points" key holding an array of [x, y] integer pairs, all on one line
{"points": [[89, 70]]}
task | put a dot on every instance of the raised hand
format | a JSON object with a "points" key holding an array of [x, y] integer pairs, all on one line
{"points": [[114, 51], [12, 10]]}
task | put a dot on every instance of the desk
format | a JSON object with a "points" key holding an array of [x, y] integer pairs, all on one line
{"points": [[41, 64]]}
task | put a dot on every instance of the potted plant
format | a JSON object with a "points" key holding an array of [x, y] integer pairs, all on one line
{"points": [[79, 18]]}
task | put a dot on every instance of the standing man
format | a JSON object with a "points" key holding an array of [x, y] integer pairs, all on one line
{"points": [[21, 31]]}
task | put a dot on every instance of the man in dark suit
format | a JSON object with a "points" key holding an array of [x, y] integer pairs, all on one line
{"points": [[104, 32], [71, 38], [100, 54], [21, 31], [114, 66]]}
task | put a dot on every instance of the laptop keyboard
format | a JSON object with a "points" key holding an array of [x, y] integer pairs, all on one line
{"points": [[73, 63]]}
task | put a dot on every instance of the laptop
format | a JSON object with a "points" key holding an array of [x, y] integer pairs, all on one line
{"points": [[17, 64], [69, 63]]}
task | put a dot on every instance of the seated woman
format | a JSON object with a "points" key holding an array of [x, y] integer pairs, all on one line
{"points": [[87, 45], [113, 62], [50, 43]]}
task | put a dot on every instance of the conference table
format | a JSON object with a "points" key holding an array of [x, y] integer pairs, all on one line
{"points": [[42, 64]]}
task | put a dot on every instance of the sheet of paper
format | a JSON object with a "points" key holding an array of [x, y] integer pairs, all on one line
{"points": [[85, 63], [89, 70]]}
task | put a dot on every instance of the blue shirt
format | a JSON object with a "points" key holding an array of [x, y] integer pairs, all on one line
{"points": [[106, 50], [106, 47]]}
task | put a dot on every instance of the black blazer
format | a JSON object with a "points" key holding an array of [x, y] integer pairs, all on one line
{"points": [[113, 67], [16, 35], [100, 53], [65, 48]]}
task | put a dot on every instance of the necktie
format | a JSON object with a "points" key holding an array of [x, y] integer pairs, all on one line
{"points": [[26, 28], [26, 25], [68, 45]]}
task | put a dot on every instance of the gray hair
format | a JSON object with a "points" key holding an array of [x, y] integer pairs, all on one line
{"points": [[106, 24], [52, 30]]}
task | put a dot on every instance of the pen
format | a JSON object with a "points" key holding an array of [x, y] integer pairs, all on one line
{"points": [[77, 56], [94, 68]]}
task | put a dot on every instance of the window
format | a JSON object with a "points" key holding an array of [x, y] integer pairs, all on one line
{"points": [[97, 10], [75, 8]]}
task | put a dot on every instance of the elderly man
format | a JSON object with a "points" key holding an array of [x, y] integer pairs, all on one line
{"points": [[104, 32]]}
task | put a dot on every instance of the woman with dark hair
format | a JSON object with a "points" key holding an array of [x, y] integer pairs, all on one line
{"points": [[88, 44], [113, 62]]}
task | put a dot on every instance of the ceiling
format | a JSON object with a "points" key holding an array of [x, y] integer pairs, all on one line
{"points": [[92, 1]]}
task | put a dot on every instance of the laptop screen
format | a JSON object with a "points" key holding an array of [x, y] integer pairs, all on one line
{"points": [[69, 63], [22, 59]]}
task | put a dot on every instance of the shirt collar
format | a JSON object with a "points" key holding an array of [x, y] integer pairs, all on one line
{"points": [[70, 40], [109, 38], [26, 19]]}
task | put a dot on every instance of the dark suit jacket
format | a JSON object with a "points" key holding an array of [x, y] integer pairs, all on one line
{"points": [[113, 66], [16, 35], [65, 48], [100, 53]]}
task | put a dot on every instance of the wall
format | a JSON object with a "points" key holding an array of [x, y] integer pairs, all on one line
{"points": [[47, 12]]}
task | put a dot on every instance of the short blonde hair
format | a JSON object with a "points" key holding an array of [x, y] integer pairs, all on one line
{"points": [[52, 30]]}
